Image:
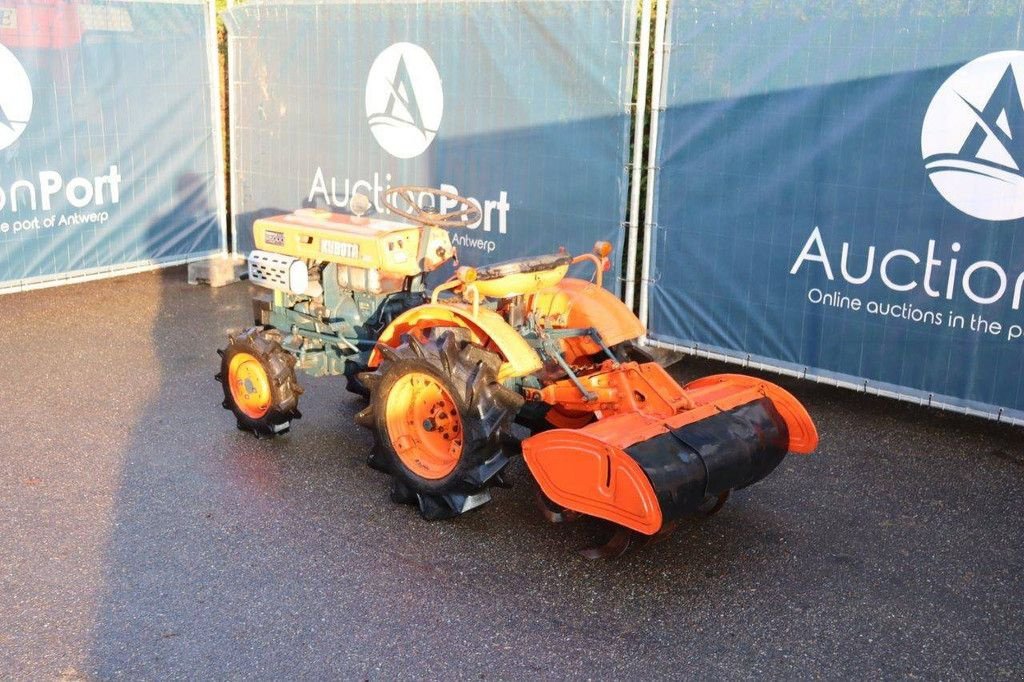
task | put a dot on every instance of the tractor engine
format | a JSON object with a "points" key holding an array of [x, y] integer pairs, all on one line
{"points": [[336, 281]]}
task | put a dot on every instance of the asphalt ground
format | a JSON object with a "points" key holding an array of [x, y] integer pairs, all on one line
{"points": [[142, 536]]}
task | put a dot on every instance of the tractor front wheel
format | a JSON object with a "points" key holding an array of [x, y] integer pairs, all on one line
{"points": [[442, 422], [258, 378]]}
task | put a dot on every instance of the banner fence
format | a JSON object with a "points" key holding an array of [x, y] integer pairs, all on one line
{"points": [[839, 195], [110, 139], [525, 106], [835, 193]]}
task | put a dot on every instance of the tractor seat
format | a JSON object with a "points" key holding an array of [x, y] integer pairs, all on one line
{"points": [[521, 266], [522, 276]]}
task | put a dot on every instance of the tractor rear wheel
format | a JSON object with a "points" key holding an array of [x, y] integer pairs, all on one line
{"points": [[258, 378], [442, 422]]}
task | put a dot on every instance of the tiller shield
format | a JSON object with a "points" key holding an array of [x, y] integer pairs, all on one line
{"points": [[659, 451]]}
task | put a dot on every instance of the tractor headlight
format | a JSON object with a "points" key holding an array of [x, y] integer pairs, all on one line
{"points": [[298, 277]]}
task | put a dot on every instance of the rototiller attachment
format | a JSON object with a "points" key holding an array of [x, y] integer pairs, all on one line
{"points": [[665, 452], [447, 373]]}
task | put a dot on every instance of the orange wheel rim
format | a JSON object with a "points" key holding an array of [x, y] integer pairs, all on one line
{"points": [[250, 385], [424, 425]]}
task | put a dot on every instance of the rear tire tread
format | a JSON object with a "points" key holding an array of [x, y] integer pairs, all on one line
{"points": [[487, 409]]}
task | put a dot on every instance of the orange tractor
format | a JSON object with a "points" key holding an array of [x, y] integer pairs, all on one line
{"points": [[448, 371]]}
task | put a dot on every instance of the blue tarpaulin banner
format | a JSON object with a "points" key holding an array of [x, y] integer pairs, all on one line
{"points": [[841, 194], [108, 143], [520, 106]]}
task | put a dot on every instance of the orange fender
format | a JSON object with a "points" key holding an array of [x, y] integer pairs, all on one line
{"points": [[487, 328], [577, 304]]}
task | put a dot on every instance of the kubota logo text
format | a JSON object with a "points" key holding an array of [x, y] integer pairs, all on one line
{"points": [[972, 139], [15, 98], [404, 100]]}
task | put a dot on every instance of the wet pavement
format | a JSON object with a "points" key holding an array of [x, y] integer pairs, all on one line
{"points": [[142, 536]]}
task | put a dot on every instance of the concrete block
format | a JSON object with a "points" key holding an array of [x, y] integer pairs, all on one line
{"points": [[218, 271]]}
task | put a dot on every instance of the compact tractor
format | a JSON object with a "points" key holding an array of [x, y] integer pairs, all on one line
{"points": [[448, 370]]}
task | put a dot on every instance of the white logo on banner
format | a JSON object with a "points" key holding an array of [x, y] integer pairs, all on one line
{"points": [[15, 98], [972, 139], [404, 100]]}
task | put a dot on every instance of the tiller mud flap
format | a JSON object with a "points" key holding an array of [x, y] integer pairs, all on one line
{"points": [[645, 466]]}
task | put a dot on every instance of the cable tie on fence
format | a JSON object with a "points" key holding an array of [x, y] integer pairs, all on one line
{"points": [[865, 389], [650, 280], [999, 416]]}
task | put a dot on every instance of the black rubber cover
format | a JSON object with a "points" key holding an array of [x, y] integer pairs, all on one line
{"points": [[730, 450]]}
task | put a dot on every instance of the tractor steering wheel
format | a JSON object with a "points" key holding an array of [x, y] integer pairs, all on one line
{"points": [[468, 215]]}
